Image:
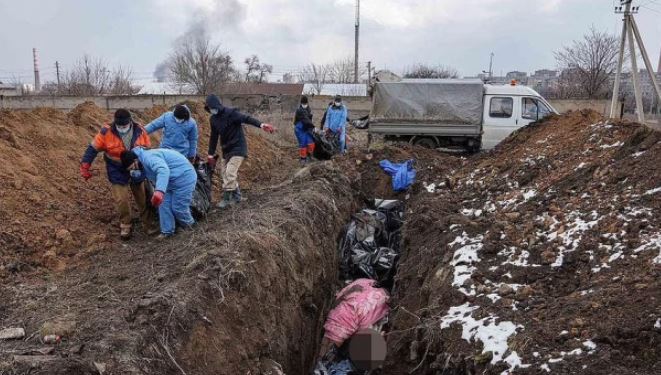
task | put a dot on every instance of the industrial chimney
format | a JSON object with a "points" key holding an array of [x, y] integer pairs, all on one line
{"points": [[658, 68], [37, 82]]}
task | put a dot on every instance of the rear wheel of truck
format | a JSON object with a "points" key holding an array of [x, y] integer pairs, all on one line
{"points": [[426, 142]]}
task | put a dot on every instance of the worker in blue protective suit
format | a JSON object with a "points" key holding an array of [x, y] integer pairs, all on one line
{"points": [[174, 179], [179, 131], [336, 122]]}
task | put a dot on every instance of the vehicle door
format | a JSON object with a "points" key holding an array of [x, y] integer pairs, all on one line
{"points": [[500, 119], [533, 109]]}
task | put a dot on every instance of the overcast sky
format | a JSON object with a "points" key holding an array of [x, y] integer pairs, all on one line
{"points": [[289, 34]]}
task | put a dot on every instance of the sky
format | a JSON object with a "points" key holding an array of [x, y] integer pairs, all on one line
{"points": [[395, 34]]}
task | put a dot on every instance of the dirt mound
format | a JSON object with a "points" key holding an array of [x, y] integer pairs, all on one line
{"points": [[543, 255], [247, 287], [46, 210], [50, 215]]}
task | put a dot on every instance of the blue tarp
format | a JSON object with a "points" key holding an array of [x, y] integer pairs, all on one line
{"points": [[403, 174]]}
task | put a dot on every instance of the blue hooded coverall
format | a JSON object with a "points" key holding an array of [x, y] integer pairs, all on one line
{"points": [[336, 121], [173, 175], [179, 137]]}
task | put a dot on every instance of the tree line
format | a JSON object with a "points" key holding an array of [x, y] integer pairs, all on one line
{"points": [[198, 65]]}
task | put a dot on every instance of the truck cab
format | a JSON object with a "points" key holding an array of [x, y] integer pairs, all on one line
{"points": [[508, 108]]}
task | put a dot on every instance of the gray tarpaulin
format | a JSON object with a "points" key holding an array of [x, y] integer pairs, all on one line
{"points": [[440, 102]]}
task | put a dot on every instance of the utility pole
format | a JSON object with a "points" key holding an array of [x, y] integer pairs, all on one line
{"points": [[355, 73], [491, 66], [369, 73], [37, 81], [57, 71], [630, 30]]}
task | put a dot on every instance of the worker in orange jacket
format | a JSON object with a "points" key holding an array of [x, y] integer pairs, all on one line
{"points": [[123, 134]]}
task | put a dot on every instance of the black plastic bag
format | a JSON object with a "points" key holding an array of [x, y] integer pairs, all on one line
{"points": [[370, 245], [325, 145], [201, 203]]}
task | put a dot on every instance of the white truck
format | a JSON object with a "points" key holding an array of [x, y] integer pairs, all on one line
{"points": [[453, 113]]}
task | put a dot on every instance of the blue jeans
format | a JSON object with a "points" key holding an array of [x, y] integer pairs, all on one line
{"points": [[176, 203]]}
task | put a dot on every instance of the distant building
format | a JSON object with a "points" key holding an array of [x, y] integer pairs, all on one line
{"points": [[7, 89], [650, 101], [544, 81], [520, 77]]}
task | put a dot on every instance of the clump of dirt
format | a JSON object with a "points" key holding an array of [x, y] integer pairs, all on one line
{"points": [[542, 255], [247, 287]]}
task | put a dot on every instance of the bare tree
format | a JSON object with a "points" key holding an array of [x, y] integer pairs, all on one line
{"points": [[433, 72], [199, 65], [256, 71], [592, 59], [121, 82], [92, 76], [315, 74], [342, 71]]}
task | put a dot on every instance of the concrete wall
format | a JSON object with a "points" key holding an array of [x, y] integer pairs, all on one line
{"points": [[358, 105], [601, 106]]}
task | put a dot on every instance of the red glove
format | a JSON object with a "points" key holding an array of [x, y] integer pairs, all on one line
{"points": [[211, 160], [268, 128], [85, 171], [157, 198]]}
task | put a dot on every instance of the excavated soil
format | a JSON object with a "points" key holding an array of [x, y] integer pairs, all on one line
{"points": [[541, 256], [51, 217]]}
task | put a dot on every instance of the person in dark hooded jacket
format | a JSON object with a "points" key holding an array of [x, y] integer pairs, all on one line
{"points": [[227, 126]]}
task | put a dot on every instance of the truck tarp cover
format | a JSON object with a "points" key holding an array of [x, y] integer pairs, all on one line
{"points": [[440, 103]]}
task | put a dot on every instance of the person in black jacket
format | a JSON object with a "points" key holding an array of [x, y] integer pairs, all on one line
{"points": [[227, 124], [303, 128]]}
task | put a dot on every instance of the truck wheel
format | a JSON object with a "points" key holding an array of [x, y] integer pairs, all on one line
{"points": [[426, 142]]}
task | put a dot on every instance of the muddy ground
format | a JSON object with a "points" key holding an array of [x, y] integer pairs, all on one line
{"points": [[541, 256]]}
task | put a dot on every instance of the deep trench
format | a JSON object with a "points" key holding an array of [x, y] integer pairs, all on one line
{"points": [[358, 237]]}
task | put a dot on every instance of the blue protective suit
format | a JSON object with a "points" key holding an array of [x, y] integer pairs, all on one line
{"points": [[336, 121], [179, 137], [174, 175], [403, 174]]}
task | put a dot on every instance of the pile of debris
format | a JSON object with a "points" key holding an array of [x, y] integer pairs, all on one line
{"points": [[541, 256]]}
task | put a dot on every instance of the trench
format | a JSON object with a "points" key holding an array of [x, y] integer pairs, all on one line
{"points": [[369, 247]]}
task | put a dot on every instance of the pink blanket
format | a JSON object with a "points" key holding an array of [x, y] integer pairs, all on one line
{"points": [[360, 305]]}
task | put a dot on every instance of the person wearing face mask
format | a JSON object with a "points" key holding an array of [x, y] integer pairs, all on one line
{"points": [[303, 127], [179, 131], [227, 126], [174, 179], [113, 139], [336, 122]]}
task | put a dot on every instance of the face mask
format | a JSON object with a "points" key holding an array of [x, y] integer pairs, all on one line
{"points": [[214, 111], [124, 129], [304, 105], [179, 120], [136, 174], [337, 104]]}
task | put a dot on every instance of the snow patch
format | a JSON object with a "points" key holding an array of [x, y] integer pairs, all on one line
{"points": [[653, 191], [492, 334]]}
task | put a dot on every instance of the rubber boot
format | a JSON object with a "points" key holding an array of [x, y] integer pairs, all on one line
{"points": [[227, 199], [236, 196]]}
